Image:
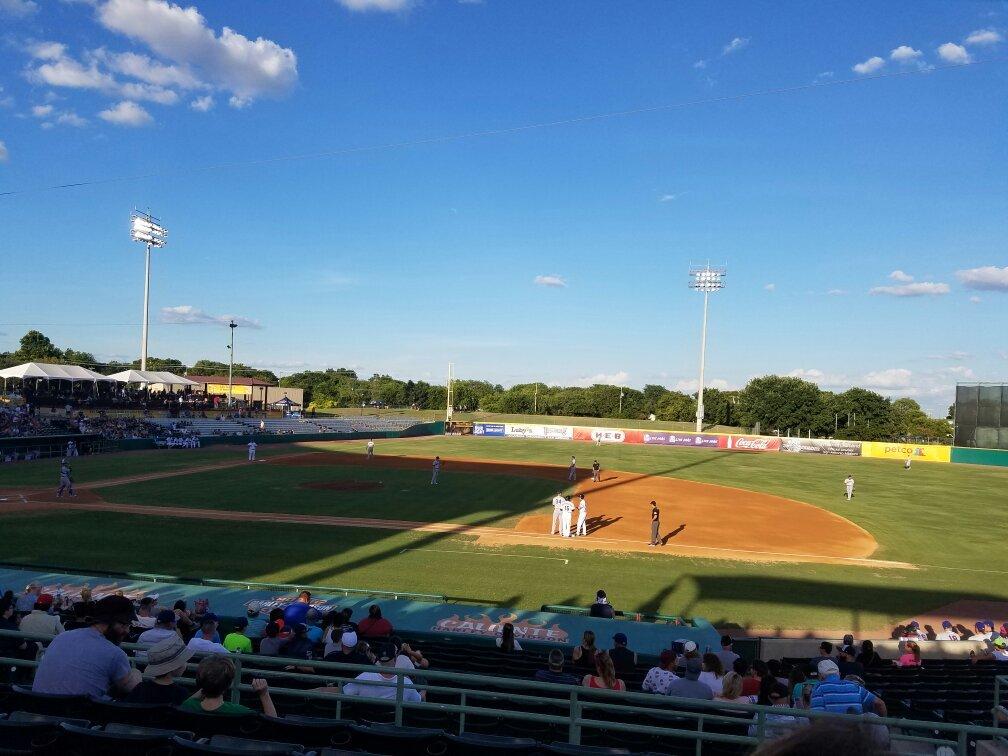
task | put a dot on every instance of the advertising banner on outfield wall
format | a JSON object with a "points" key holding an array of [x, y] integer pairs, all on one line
{"points": [[600, 435], [552, 432], [754, 443], [837, 447], [700, 440], [488, 429], [916, 452]]}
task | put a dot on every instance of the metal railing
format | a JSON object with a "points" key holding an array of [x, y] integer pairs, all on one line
{"points": [[576, 704]]}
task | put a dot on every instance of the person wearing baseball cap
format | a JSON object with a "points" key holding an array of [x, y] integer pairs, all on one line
{"points": [[624, 660], [998, 651], [948, 632], [164, 628], [166, 660], [88, 661], [661, 676], [689, 685], [842, 696], [364, 685], [40, 621]]}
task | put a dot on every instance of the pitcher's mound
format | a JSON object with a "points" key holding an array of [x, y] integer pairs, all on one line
{"points": [[345, 485]]}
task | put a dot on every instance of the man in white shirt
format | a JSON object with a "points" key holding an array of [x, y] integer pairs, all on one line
{"points": [[163, 629], [849, 486], [252, 451], [370, 448], [202, 642], [557, 508], [565, 518], [661, 676], [364, 685], [40, 621], [582, 526], [948, 632]]}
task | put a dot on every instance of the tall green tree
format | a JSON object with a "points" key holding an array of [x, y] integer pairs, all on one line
{"points": [[35, 346]]}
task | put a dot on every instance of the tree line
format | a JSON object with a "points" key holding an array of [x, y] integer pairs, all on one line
{"points": [[771, 403]]}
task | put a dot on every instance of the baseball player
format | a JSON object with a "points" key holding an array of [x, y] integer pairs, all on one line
{"points": [[370, 448], [72, 449], [565, 518], [66, 482], [906, 465], [655, 523], [557, 507], [582, 527], [251, 448], [849, 486], [572, 469], [596, 471], [435, 470]]}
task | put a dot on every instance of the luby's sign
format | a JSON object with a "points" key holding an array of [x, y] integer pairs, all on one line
{"points": [[481, 625]]}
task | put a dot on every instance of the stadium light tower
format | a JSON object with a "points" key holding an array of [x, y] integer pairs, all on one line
{"points": [[707, 280], [146, 229], [232, 325]]}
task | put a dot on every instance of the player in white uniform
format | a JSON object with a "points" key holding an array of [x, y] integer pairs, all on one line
{"points": [[435, 471], [906, 465], [582, 527], [565, 518], [572, 469], [252, 448], [557, 507], [66, 482], [370, 448], [849, 486], [72, 449]]}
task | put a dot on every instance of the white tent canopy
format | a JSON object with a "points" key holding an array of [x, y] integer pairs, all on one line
{"points": [[52, 372], [152, 376]]}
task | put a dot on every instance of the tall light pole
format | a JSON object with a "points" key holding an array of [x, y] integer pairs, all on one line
{"points": [[146, 229], [449, 410], [232, 325], [707, 280]]}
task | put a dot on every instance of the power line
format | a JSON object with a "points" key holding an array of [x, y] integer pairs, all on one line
{"points": [[344, 151]]}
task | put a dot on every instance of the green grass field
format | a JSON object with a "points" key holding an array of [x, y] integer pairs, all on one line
{"points": [[949, 520]]}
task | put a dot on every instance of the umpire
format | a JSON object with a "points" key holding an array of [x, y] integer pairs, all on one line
{"points": [[655, 523]]}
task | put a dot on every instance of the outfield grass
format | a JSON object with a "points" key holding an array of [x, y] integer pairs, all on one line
{"points": [[948, 519]]}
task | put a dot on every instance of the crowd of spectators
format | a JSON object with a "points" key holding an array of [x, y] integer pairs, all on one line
{"points": [[20, 420]]}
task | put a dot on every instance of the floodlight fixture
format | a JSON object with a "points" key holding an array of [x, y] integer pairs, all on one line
{"points": [[149, 231], [232, 325], [707, 280]]}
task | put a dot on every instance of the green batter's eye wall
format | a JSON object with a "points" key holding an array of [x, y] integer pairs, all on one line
{"points": [[981, 416]]}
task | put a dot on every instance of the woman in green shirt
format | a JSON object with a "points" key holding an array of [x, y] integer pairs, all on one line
{"points": [[214, 676]]}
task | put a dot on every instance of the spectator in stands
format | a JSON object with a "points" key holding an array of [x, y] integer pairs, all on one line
{"points": [[237, 642], [26, 601], [506, 641], [349, 653], [842, 696], [166, 660], [774, 667], [583, 655], [164, 629], [298, 646], [270, 644], [203, 642], [82, 609], [298, 611], [364, 685], [601, 608], [89, 661], [998, 652], [847, 662], [775, 725], [13, 647], [214, 677], [796, 685], [256, 623], [948, 632], [40, 621], [826, 737], [408, 657], [605, 675], [183, 620], [750, 680], [624, 660], [910, 656], [825, 652], [869, 658], [659, 677], [726, 655], [731, 690], [555, 673], [712, 673], [146, 616], [689, 684], [374, 626]]}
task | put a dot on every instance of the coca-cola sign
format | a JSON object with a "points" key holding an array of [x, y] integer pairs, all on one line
{"points": [[754, 443]]}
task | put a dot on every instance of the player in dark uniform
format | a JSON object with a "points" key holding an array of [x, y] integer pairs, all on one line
{"points": [[596, 471], [655, 523]]}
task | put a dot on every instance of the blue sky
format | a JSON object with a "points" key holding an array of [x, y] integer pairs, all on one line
{"points": [[555, 253]]}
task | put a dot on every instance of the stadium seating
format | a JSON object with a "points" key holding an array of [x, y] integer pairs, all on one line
{"points": [[290, 425]]}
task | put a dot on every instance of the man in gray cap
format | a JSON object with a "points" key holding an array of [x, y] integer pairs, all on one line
{"points": [[689, 685], [89, 661], [166, 660]]}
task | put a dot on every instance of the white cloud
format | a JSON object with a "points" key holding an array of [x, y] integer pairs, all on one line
{"points": [[984, 37], [955, 355], [17, 8], [376, 5], [905, 54], [47, 50], [3, 152], [921, 289], [152, 93], [202, 104], [551, 280], [950, 52], [608, 379], [824, 75], [41, 111], [869, 66], [239, 103], [63, 71], [818, 377], [989, 278], [69, 118], [770, 287], [126, 113], [700, 64], [736, 44], [148, 70], [690, 386], [229, 61], [670, 197], [893, 378], [189, 315], [836, 292], [976, 300], [899, 275]]}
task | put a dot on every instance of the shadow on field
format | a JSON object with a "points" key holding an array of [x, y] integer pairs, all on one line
{"points": [[593, 524], [614, 481], [672, 534], [788, 593]]}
